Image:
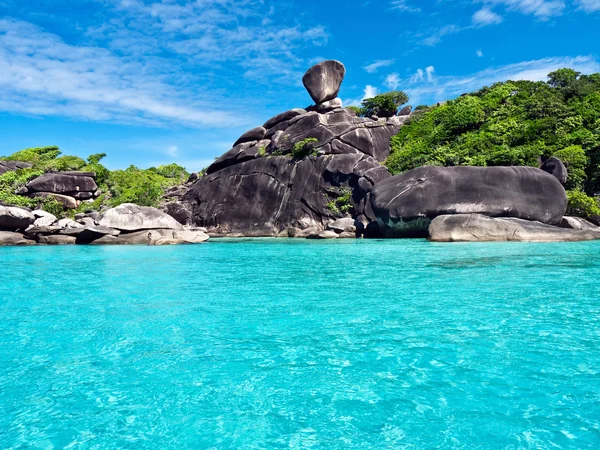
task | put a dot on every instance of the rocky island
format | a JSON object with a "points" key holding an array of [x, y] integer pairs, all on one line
{"points": [[316, 172]]}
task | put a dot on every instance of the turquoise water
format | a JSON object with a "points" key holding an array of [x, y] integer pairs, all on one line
{"points": [[300, 344]]}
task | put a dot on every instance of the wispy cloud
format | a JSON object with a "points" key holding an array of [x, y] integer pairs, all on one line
{"points": [[375, 66], [392, 81], [542, 9], [43, 75], [486, 16], [537, 70], [402, 5], [155, 63], [589, 6], [479, 53], [435, 37]]}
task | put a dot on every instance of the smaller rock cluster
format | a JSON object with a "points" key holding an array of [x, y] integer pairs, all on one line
{"points": [[67, 188], [125, 224]]}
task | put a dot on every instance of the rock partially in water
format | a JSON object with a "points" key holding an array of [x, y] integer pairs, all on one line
{"points": [[57, 239], [480, 228], [12, 238], [130, 217], [577, 223], [405, 204]]}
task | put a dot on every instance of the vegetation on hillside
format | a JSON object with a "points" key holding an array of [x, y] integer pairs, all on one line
{"points": [[513, 123], [132, 185], [382, 105]]}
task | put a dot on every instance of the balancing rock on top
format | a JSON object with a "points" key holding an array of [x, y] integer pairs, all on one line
{"points": [[323, 80]]}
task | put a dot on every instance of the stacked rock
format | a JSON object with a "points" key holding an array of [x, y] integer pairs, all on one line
{"points": [[68, 188], [125, 224], [9, 166], [291, 172]]}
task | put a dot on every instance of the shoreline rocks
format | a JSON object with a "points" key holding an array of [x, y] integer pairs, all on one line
{"points": [[405, 204], [132, 224], [480, 228]]}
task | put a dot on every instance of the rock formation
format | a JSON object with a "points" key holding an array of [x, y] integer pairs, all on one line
{"points": [[405, 204], [323, 80], [480, 228], [301, 169], [9, 166], [67, 188], [127, 224]]}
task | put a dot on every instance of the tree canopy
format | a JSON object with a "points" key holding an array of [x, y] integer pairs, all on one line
{"points": [[511, 123]]}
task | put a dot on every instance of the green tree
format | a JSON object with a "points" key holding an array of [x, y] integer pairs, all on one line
{"points": [[384, 105]]}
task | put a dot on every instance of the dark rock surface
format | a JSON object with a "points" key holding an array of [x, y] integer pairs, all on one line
{"points": [[480, 228], [14, 218], [63, 183], [9, 166], [264, 196], [91, 233], [405, 204], [255, 134], [323, 80], [555, 167]]}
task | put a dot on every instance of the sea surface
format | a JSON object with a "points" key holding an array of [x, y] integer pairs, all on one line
{"points": [[266, 343]]}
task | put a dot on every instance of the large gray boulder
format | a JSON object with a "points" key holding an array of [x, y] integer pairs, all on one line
{"points": [[130, 217], [9, 166], [264, 196], [255, 134], [323, 80], [63, 183], [555, 167], [12, 238], [14, 218], [405, 204], [480, 228]]}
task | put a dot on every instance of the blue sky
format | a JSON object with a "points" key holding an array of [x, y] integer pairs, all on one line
{"points": [[156, 81]]}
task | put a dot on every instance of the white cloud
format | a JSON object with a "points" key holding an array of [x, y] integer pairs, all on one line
{"points": [[589, 6], [542, 9], [429, 73], [392, 81], [370, 91], [418, 76], [373, 67], [172, 151], [446, 87], [479, 53], [438, 34], [402, 5], [486, 16], [42, 75], [423, 75]]}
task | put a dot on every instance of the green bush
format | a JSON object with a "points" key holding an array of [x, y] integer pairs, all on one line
{"points": [[342, 203], [510, 123], [383, 105], [304, 148], [581, 205], [14, 180], [142, 187], [576, 161]]}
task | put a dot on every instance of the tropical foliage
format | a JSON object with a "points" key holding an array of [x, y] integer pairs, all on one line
{"points": [[141, 186], [511, 123]]}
